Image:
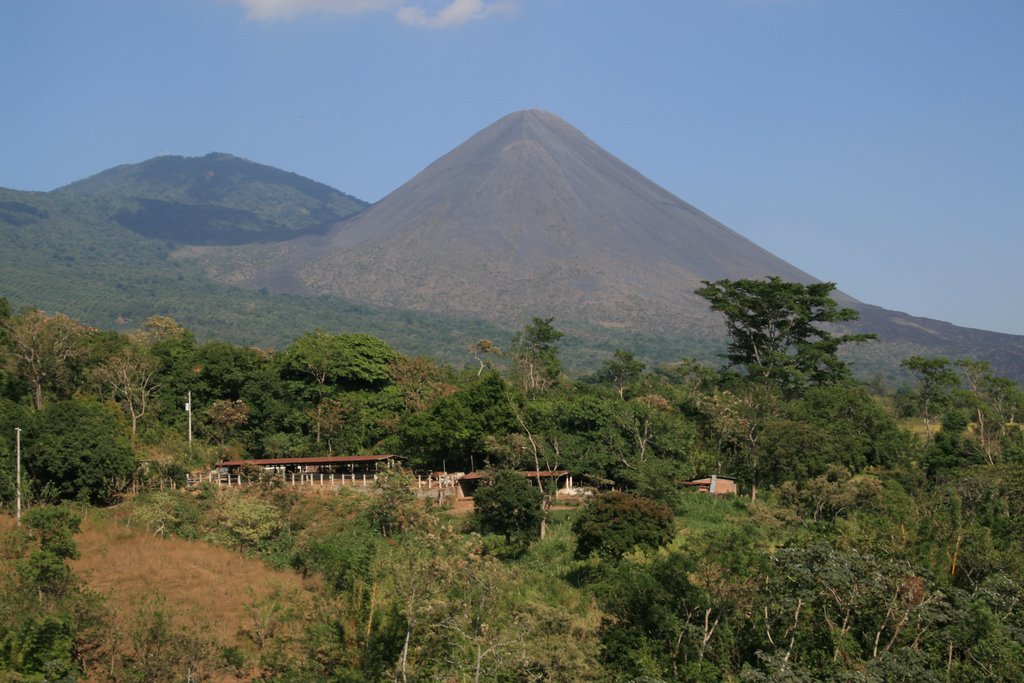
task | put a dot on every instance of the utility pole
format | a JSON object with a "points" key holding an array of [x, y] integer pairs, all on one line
{"points": [[17, 474], [188, 409]]}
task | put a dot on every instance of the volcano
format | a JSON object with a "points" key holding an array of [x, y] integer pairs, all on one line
{"points": [[529, 217]]}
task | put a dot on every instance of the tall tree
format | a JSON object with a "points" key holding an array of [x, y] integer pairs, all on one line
{"points": [[739, 420], [992, 401], [332, 362], [621, 371], [174, 347], [534, 352], [774, 329], [483, 348], [130, 374], [41, 346], [225, 417], [937, 380]]}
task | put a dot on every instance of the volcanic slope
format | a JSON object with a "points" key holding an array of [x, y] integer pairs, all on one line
{"points": [[527, 217]]}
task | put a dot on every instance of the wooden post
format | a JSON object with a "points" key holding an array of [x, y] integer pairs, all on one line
{"points": [[17, 473]]}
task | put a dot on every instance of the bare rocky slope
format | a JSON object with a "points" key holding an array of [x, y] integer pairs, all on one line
{"points": [[528, 217]]}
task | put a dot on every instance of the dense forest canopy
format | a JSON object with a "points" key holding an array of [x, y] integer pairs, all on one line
{"points": [[877, 535]]}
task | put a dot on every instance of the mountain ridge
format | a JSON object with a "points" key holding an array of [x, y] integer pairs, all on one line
{"points": [[215, 199], [488, 275]]}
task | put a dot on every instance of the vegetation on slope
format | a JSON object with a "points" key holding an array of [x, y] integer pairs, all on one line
{"points": [[859, 549], [215, 199]]}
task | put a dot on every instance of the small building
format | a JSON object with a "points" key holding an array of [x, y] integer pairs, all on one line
{"points": [[715, 485], [468, 483]]}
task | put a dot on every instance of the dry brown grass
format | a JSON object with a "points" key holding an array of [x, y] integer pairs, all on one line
{"points": [[205, 589]]}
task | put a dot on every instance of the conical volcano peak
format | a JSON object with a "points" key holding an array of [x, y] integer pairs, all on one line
{"points": [[529, 216], [533, 125], [534, 119]]}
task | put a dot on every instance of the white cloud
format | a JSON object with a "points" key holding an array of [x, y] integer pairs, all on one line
{"points": [[269, 10], [454, 13]]}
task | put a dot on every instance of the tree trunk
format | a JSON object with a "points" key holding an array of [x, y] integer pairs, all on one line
{"points": [[405, 653]]}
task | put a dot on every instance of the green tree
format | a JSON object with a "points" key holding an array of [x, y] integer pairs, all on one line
{"points": [[454, 432], [937, 381], [839, 425], [248, 521], [79, 450], [534, 353], [615, 522], [393, 508], [952, 446], [40, 347], [993, 402], [223, 369], [655, 440], [774, 329], [225, 417], [510, 505], [50, 628], [130, 375], [54, 527], [336, 363], [174, 347], [738, 422], [827, 610], [621, 371]]}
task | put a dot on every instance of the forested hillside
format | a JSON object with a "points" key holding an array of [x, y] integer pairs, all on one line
{"points": [[876, 536], [215, 199], [64, 252]]}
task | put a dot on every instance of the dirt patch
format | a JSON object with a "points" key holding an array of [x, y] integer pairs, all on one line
{"points": [[462, 506]]}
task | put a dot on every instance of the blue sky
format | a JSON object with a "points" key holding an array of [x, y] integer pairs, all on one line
{"points": [[878, 144]]}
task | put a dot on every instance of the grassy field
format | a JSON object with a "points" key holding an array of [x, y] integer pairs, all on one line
{"points": [[192, 586]]}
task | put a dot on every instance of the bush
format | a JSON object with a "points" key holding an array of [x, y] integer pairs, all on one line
{"points": [[614, 523], [78, 449], [509, 505]]}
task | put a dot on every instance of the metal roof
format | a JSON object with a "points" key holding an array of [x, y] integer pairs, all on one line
{"points": [[328, 460], [706, 480], [531, 473]]}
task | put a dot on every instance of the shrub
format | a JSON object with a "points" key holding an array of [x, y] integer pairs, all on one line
{"points": [[614, 523], [509, 505]]}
